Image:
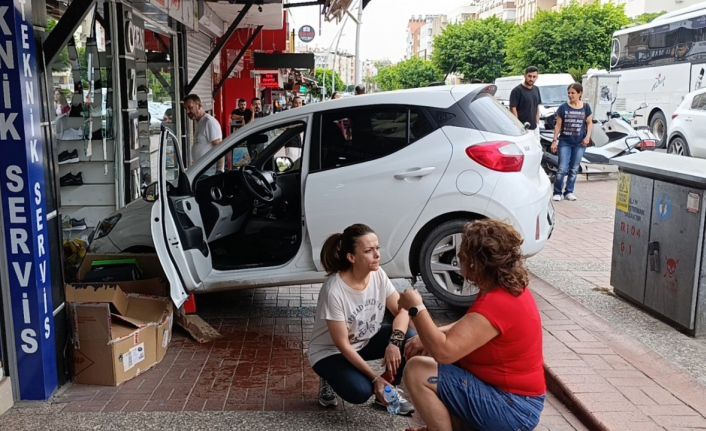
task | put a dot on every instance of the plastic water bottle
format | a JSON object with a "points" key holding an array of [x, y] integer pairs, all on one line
{"points": [[393, 400]]}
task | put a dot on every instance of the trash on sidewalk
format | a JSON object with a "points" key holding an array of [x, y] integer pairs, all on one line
{"points": [[116, 336], [141, 274]]}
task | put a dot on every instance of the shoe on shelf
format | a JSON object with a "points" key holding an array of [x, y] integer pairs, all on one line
{"points": [[556, 198], [68, 157], [406, 406], [69, 223], [327, 397], [570, 197], [71, 134], [71, 180]]}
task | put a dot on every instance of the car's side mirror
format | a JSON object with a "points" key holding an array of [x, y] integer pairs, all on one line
{"points": [[283, 164], [151, 192]]}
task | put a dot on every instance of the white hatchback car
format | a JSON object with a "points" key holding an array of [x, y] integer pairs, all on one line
{"points": [[415, 165], [687, 132]]}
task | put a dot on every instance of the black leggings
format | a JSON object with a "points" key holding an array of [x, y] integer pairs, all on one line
{"points": [[348, 381]]}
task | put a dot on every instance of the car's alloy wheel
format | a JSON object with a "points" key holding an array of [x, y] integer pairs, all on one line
{"points": [[678, 146], [440, 268], [658, 125]]}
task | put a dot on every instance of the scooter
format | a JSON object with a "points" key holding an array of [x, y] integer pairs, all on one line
{"points": [[612, 137]]}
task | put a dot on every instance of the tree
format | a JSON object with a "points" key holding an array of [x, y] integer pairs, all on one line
{"points": [[578, 37], [474, 48], [324, 77], [412, 73], [645, 18]]}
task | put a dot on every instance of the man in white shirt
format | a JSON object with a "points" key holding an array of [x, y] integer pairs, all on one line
{"points": [[208, 131]]}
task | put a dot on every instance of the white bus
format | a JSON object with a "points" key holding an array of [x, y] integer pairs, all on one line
{"points": [[659, 63]]}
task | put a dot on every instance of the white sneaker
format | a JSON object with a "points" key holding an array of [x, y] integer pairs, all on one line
{"points": [[556, 198], [570, 197], [327, 396]]}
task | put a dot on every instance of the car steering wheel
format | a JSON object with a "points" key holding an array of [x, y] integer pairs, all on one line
{"points": [[257, 184]]}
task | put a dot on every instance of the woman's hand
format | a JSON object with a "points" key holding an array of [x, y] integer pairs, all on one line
{"points": [[414, 347], [586, 141], [409, 298], [379, 389], [392, 359], [555, 147]]}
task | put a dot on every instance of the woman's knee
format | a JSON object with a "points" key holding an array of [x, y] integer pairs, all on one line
{"points": [[417, 369]]}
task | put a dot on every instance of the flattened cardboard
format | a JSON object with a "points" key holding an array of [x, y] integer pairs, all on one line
{"points": [[112, 346]]}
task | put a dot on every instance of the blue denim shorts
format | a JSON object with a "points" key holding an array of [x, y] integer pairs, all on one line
{"points": [[484, 407]]}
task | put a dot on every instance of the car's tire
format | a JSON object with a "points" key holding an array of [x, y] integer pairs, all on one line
{"points": [[678, 146], [658, 125], [439, 266]]}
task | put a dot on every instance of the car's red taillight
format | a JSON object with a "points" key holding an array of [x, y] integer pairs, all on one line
{"points": [[501, 156], [647, 144]]}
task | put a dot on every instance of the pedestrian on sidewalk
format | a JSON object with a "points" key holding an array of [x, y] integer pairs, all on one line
{"points": [[486, 369], [572, 134], [240, 116], [349, 328], [525, 100], [208, 131]]}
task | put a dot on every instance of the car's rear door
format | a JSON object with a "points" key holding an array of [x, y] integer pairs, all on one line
{"points": [[377, 165], [177, 228]]}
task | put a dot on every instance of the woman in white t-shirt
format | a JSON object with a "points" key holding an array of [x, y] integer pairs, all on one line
{"points": [[349, 328]]}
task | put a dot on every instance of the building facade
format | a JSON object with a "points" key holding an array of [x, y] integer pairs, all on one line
{"points": [[463, 13], [528, 9], [503, 9], [433, 26], [414, 27]]}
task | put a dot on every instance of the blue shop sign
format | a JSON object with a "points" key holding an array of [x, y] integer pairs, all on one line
{"points": [[23, 191]]}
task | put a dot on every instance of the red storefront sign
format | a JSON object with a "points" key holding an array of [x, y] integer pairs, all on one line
{"points": [[269, 80]]}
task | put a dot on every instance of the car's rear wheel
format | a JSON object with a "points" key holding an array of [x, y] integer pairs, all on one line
{"points": [[678, 146], [440, 268], [658, 125]]}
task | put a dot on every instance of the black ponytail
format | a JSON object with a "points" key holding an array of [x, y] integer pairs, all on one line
{"points": [[334, 252]]}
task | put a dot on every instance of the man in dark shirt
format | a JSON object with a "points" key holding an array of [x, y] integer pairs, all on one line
{"points": [[525, 99], [257, 108], [240, 116]]}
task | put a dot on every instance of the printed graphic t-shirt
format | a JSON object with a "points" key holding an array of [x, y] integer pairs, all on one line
{"points": [[362, 312], [573, 128]]}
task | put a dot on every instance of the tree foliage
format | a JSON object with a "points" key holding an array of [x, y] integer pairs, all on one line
{"points": [[325, 77], [474, 48], [411, 73], [576, 37], [645, 18]]}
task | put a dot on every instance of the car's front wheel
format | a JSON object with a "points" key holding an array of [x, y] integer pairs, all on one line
{"points": [[440, 268], [678, 146]]}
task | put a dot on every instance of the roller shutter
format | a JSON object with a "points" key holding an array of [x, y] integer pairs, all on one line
{"points": [[198, 46]]}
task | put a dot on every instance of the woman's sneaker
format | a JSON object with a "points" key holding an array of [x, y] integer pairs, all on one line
{"points": [[556, 198], [406, 406], [570, 197], [327, 396]]}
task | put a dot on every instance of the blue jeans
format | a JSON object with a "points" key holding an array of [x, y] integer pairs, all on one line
{"points": [[484, 407], [569, 161], [348, 381]]}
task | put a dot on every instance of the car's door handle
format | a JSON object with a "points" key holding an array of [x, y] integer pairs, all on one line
{"points": [[688, 119], [415, 172]]}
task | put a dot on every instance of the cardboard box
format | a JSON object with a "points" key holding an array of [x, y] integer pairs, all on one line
{"points": [[153, 279], [116, 336]]}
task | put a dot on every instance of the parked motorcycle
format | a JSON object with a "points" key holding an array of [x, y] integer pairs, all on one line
{"points": [[612, 137]]}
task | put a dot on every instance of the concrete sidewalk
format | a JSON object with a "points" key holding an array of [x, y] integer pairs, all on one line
{"points": [[257, 378]]}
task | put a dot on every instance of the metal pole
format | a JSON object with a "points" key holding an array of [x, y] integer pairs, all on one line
{"points": [[358, 63]]}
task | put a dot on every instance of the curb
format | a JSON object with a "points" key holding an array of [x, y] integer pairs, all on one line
{"points": [[571, 401]]}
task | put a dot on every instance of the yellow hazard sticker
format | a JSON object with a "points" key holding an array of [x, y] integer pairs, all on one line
{"points": [[622, 199]]}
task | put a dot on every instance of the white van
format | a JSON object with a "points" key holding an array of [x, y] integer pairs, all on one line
{"points": [[552, 88]]}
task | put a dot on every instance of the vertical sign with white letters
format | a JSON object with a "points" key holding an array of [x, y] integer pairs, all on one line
{"points": [[23, 191]]}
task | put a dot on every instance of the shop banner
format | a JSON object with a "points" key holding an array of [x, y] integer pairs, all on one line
{"points": [[23, 191]]}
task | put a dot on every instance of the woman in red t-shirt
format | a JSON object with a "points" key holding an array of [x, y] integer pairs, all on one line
{"points": [[486, 369]]}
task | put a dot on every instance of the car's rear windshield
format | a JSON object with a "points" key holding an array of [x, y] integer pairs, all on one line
{"points": [[487, 114]]}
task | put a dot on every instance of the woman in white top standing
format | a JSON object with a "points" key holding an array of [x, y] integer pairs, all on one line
{"points": [[349, 328]]}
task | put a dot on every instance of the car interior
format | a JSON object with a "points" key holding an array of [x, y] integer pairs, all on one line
{"points": [[251, 210]]}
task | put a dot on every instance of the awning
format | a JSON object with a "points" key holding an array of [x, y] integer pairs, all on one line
{"points": [[336, 8], [268, 14]]}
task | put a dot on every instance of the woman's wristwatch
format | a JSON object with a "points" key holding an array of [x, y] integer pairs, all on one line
{"points": [[413, 311]]}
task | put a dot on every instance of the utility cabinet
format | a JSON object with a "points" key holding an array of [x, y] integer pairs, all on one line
{"points": [[658, 259]]}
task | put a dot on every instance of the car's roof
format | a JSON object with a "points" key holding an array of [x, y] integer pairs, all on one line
{"points": [[438, 97]]}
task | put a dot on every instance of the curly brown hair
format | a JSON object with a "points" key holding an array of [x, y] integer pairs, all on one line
{"points": [[491, 256]]}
